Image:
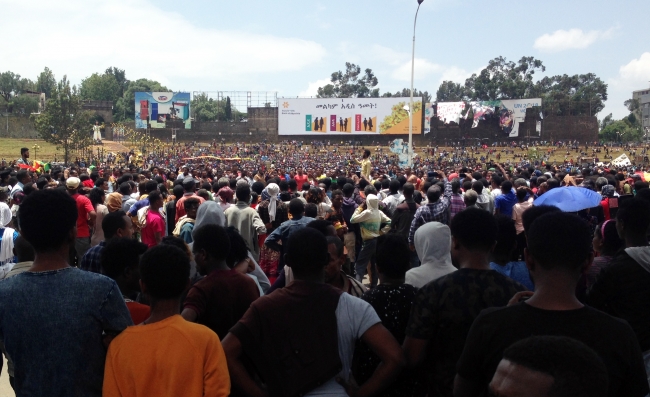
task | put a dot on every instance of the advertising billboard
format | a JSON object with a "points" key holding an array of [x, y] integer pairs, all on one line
{"points": [[348, 116], [159, 107]]}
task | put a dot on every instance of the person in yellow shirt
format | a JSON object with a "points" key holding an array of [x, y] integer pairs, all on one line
{"points": [[366, 164], [166, 355]]}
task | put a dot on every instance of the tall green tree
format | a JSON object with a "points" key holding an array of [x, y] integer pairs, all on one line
{"points": [[11, 84], [120, 77], [125, 106], [45, 82], [406, 93], [503, 79], [207, 109], [450, 92], [228, 109], [100, 87], [351, 84], [63, 122]]}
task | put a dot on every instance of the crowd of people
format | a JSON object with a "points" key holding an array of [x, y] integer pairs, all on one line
{"points": [[325, 271]]}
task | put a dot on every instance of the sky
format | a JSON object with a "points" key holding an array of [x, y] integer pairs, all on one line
{"points": [[293, 46]]}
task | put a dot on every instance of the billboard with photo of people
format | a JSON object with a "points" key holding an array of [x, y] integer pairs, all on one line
{"points": [[157, 108], [348, 116]]}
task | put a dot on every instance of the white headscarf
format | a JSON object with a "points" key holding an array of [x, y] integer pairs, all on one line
{"points": [[273, 189], [7, 246], [433, 245]]}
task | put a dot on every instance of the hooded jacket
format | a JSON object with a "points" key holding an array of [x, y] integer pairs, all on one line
{"points": [[348, 207], [370, 219], [433, 246]]}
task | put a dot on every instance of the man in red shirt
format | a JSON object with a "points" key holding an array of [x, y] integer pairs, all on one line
{"points": [[154, 229], [188, 186], [300, 177], [85, 216]]}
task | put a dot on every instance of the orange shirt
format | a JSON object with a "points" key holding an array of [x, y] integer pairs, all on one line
{"points": [[172, 357]]}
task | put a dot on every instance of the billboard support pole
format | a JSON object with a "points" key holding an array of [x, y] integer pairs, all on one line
{"points": [[410, 149]]}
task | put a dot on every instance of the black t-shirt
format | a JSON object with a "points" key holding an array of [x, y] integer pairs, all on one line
{"points": [[612, 339], [623, 290], [443, 312]]}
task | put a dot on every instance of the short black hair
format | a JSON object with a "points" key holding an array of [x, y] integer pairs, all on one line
{"points": [[321, 225], [238, 249], [348, 189], [243, 193], [338, 244], [393, 255], [475, 229], [23, 249], [22, 174], [506, 187], [311, 210], [154, 196], [576, 369], [46, 219], [296, 207], [165, 271], [125, 188], [559, 240], [534, 212], [635, 215], [112, 222], [150, 186], [306, 251], [408, 189], [477, 186], [394, 186], [23, 150], [120, 254], [190, 202], [189, 185], [213, 239], [433, 193]]}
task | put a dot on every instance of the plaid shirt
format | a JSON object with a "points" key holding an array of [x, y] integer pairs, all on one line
{"points": [[457, 205], [91, 260], [432, 212]]}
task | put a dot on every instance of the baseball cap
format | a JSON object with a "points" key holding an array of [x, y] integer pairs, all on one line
{"points": [[72, 183]]}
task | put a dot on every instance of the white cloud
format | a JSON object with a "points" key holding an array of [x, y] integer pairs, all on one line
{"points": [[423, 69], [79, 37], [561, 40], [634, 75], [312, 88]]}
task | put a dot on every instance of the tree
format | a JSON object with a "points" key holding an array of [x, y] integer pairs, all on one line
{"points": [[11, 84], [46, 83], [620, 130], [100, 87], [406, 93], [351, 84], [207, 109], [228, 109], [120, 77], [25, 104], [63, 122], [578, 94], [606, 121], [125, 106], [503, 79], [450, 92]]}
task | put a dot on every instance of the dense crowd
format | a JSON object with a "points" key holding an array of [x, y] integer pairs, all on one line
{"points": [[327, 270]]}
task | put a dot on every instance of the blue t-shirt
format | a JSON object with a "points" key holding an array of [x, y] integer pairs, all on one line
{"points": [[505, 202], [52, 324], [516, 271]]}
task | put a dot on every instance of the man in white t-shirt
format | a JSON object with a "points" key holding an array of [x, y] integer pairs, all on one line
{"points": [[309, 330]]}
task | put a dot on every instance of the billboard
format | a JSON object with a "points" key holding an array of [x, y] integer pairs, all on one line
{"points": [[347, 116], [159, 107]]}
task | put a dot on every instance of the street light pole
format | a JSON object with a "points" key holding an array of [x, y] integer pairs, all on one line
{"points": [[412, 75]]}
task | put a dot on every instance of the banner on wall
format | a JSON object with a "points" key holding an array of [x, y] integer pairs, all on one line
{"points": [[483, 110], [513, 112], [450, 111], [157, 108], [428, 116], [347, 116]]}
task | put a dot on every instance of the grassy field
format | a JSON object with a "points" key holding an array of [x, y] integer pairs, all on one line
{"points": [[10, 149]]}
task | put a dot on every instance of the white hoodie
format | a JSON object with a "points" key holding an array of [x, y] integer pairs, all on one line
{"points": [[433, 244]]}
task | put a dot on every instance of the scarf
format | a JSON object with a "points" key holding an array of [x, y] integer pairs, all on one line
{"points": [[7, 247], [272, 191]]}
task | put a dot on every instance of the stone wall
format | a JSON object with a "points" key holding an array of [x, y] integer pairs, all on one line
{"points": [[17, 127]]}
